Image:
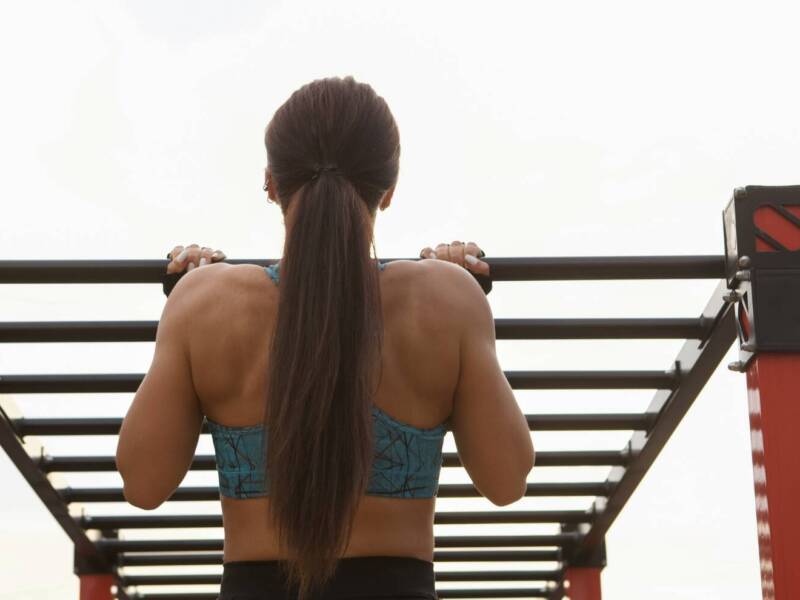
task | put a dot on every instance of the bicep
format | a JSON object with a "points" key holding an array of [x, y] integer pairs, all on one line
{"points": [[489, 428], [159, 434]]}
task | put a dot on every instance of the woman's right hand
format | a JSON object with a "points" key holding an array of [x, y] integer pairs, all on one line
{"points": [[467, 255]]}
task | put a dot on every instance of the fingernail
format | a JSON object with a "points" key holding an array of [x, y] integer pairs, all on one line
{"points": [[190, 267], [470, 259], [432, 254], [184, 253], [203, 261]]}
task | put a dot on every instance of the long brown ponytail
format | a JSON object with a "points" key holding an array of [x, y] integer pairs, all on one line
{"points": [[326, 351]]}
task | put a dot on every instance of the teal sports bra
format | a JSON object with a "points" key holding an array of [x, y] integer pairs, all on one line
{"points": [[406, 463]]}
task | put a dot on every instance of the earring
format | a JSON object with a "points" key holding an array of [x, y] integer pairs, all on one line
{"points": [[265, 188]]}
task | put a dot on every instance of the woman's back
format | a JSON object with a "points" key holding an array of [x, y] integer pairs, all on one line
{"points": [[229, 348]]}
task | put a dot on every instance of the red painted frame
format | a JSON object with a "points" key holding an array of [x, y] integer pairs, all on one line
{"points": [[584, 583], [773, 392], [96, 587]]}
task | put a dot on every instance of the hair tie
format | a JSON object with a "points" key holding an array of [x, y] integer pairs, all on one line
{"points": [[324, 168]]}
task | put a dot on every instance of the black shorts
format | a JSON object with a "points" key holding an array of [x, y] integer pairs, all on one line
{"points": [[380, 577]]}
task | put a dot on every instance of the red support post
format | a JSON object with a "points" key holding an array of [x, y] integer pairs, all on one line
{"points": [[773, 388], [582, 583], [96, 587]]}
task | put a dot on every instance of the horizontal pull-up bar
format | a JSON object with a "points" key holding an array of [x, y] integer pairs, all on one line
{"points": [[550, 268], [505, 329]]}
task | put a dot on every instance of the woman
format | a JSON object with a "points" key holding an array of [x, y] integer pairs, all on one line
{"points": [[329, 379]]}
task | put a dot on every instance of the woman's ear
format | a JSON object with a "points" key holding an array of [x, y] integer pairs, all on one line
{"points": [[387, 198], [269, 185]]}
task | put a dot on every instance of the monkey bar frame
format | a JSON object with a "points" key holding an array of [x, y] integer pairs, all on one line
{"points": [[565, 563]]}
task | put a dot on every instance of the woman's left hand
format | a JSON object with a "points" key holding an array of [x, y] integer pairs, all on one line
{"points": [[192, 256]]}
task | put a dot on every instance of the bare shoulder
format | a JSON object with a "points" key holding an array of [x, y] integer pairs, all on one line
{"points": [[447, 287], [209, 285]]}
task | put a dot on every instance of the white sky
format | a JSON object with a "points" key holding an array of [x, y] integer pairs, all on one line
{"points": [[533, 128]]}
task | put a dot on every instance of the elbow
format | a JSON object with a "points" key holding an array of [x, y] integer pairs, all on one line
{"points": [[140, 499], [507, 499], [138, 493], [522, 490]]}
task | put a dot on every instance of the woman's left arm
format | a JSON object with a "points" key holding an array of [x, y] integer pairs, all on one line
{"points": [[159, 435]]}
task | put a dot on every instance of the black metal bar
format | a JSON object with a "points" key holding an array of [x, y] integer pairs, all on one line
{"points": [[207, 462], [589, 329], [215, 558], [505, 329], [541, 422], [697, 362], [539, 592], [460, 541], [551, 268], [53, 501], [591, 380], [446, 490], [70, 384], [216, 578], [523, 380], [77, 331], [440, 518]]}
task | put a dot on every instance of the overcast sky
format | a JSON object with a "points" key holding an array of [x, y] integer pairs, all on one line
{"points": [[532, 128]]}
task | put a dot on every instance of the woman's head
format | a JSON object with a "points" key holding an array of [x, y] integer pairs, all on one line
{"points": [[338, 125], [325, 355]]}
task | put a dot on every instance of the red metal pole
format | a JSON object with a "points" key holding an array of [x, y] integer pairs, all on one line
{"points": [[773, 389], [96, 587], [582, 583]]}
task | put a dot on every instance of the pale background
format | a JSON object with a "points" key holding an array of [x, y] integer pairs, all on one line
{"points": [[533, 128]]}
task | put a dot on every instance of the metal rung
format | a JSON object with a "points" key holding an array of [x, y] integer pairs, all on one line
{"points": [[207, 462], [446, 490], [521, 380], [603, 328], [538, 592], [216, 578], [215, 558], [504, 268], [440, 518], [505, 329], [459, 541], [541, 422]]}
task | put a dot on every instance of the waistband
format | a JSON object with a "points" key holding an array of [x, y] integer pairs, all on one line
{"points": [[355, 577]]}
